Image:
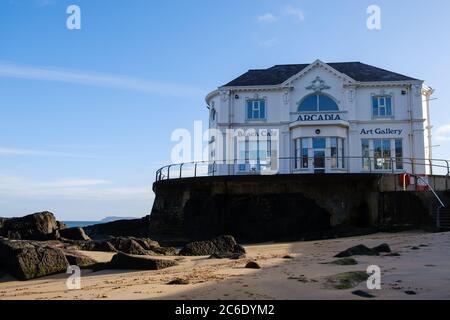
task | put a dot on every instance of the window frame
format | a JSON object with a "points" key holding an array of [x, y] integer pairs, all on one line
{"points": [[253, 101], [317, 95], [378, 99]]}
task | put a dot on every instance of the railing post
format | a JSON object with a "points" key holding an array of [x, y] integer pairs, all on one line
{"points": [[214, 168], [195, 170], [181, 170], [168, 172]]}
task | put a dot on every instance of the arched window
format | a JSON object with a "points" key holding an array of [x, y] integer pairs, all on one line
{"points": [[213, 114], [317, 102]]}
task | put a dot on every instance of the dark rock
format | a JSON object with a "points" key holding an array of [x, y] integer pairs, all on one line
{"points": [[359, 250], [288, 257], [344, 262], [154, 248], [100, 266], [178, 281], [128, 262], [252, 265], [219, 245], [227, 255], [37, 226], [103, 246], [128, 245], [382, 248], [410, 292], [347, 280], [61, 225], [120, 228], [29, 259], [77, 259], [73, 234], [363, 294], [415, 248]]}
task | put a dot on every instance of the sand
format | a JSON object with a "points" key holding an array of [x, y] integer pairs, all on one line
{"points": [[425, 271]]}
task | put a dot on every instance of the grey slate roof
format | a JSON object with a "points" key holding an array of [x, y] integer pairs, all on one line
{"points": [[280, 73]]}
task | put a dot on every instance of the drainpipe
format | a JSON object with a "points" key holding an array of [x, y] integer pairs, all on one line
{"points": [[411, 132]]}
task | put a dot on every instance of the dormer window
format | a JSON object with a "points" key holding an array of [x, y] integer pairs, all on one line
{"points": [[382, 106], [256, 109], [317, 102]]}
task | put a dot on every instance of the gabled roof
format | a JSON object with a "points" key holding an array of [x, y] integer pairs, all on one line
{"points": [[278, 74]]}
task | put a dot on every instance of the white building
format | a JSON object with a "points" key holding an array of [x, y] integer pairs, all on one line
{"points": [[321, 118]]}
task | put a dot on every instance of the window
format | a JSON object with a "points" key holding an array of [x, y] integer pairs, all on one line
{"points": [[301, 153], [386, 153], [317, 103], [254, 154], [256, 109], [337, 153], [213, 114], [365, 154], [382, 106]]}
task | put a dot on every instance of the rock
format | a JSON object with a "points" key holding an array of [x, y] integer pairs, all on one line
{"points": [[227, 255], [37, 226], [363, 294], [100, 266], [252, 265], [73, 234], [128, 245], [103, 246], [128, 262], [344, 262], [77, 259], [288, 257], [61, 225], [410, 292], [119, 228], [347, 280], [219, 245], [415, 248], [29, 259], [154, 248], [382, 248], [359, 250], [178, 281]]}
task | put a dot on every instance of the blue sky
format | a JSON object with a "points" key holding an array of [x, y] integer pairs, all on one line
{"points": [[87, 115]]}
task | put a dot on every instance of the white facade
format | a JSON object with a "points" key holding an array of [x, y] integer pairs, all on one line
{"points": [[323, 121]]}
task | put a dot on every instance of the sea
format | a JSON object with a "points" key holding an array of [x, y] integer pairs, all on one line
{"points": [[81, 224]]}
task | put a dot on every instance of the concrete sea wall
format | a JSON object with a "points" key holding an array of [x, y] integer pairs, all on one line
{"points": [[264, 208]]}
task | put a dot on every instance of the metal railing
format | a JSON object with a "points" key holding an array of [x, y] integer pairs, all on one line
{"points": [[290, 165]]}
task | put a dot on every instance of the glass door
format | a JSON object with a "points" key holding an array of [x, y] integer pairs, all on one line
{"points": [[319, 146]]}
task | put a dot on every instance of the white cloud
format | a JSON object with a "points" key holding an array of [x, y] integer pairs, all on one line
{"points": [[72, 189], [27, 152], [88, 78], [267, 18], [295, 12], [443, 132]]}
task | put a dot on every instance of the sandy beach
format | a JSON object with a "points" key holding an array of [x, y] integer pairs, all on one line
{"points": [[422, 270]]}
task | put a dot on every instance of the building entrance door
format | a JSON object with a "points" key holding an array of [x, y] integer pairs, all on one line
{"points": [[319, 146]]}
